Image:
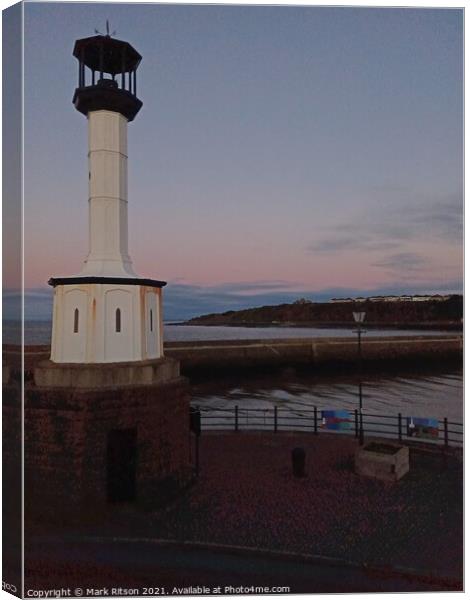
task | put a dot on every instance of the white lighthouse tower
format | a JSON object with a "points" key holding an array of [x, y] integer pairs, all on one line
{"points": [[106, 313], [116, 408]]}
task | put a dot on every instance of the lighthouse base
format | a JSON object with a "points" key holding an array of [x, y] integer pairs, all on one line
{"points": [[106, 375], [91, 450]]}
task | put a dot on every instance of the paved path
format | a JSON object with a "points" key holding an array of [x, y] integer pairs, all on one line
{"points": [[141, 564]]}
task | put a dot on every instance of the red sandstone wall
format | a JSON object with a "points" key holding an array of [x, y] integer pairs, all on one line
{"points": [[66, 440]]}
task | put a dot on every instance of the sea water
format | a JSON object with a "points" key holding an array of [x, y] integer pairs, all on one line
{"points": [[426, 394]]}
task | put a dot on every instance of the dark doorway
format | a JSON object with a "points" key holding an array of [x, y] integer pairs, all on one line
{"points": [[121, 465]]}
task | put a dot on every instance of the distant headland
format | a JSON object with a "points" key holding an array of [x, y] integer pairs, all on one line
{"points": [[443, 312]]}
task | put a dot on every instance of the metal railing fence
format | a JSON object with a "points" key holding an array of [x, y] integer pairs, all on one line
{"points": [[276, 419]]}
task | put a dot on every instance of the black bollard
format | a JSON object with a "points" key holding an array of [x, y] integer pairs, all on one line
{"points": [[195, 420], [195, 427], [298, 462]]}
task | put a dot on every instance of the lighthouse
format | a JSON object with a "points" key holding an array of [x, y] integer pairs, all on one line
{"points": [[108, 415], [107, 313]]}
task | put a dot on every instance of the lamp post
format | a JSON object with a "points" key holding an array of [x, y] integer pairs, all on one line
{"points": [[359, 319]]}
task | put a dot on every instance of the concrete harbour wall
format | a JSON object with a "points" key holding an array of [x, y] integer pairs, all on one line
{"points": [[260, 353], [329, 352]]}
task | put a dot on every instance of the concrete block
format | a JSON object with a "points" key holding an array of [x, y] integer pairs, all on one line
{"points": [[384, 461]]}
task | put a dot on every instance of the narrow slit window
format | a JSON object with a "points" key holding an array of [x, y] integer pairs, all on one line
{"points": [[75, 320], [118, 320], [151, 320]]}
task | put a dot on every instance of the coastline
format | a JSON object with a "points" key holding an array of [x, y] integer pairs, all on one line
{"points": [[431, 325]]}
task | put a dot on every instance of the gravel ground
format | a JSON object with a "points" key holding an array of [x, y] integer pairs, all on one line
{"points": [[246, 495]]}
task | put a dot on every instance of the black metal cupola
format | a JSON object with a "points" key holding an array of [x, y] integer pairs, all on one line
{"points": [[110, 80]]}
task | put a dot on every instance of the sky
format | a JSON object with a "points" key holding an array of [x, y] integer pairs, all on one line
{"points": [[281, 152]]}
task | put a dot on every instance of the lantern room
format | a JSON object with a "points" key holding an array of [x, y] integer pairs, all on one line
{"points": [[107, 76]]}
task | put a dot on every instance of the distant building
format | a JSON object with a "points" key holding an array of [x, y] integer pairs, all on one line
{"points": [[392, 298], [438, 297]]}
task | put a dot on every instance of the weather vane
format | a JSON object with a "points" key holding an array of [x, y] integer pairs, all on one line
{"points": [[107, 30]]}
